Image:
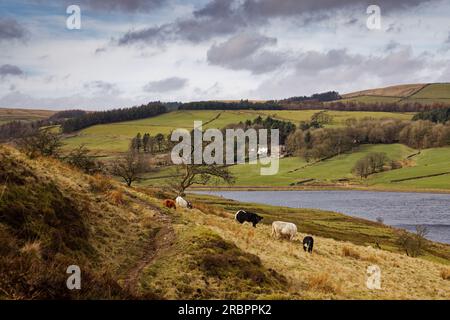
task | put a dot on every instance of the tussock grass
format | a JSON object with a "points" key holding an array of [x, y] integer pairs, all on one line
{"points": [[327, 273], [351, 253], [322, 282], [445, 274]]}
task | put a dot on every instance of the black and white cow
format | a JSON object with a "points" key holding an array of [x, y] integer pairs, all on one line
{"points": [[308, 243], [245, 216]]}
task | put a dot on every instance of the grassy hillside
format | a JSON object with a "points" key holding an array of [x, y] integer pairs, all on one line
{"points": [[337, 171], [7, 115], [420, 93], [129, 246], [405, 90], [428, 163], [115, 137]]}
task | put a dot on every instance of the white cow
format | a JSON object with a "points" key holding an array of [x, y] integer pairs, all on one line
{"points": [[284, 230], [183, 203]]}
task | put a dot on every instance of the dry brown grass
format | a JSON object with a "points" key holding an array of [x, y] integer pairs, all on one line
{"points": [[402, 277], [322, 282], [32, 249], [351, 253], [116, 197], [210, 210], [445, 274], [100, 183], [393, 91]]}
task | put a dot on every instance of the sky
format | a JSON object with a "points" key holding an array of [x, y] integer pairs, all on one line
{"points": [[130, 52]]}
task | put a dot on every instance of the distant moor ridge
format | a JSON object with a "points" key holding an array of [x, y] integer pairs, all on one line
{"points": [[427, 93]]}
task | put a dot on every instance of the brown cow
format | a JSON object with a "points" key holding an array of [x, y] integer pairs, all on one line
{"points": [[169, 204]]}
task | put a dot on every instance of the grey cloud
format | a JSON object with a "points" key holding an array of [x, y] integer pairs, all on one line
{"points": [[313, 61], [238, 47], [165, 85], [345, 72], [100, 50], [396, 62], [224, 17], [215, 8], [284, 8], [10, 70], [102, 87], [243, 52], [124, 5], [131, 6], [19, 100], [10, 29], [392, 45], [447, 41], [216, 18]]}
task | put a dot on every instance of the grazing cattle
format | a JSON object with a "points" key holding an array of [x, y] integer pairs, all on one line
{"points": [[183, 203], [284, 230], [169, 204], [245, 216], [308, 243]]}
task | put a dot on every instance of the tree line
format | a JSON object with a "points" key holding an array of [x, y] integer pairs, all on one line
{"points": [[317, 97], [361, 106], [147, 143], [231, 105], [322, 143], [436, 115], [116, 115]]}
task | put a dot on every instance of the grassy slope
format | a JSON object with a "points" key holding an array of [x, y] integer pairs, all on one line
{"points": [[202, 253], [392, 91], [426, 94], [326, 274], [327, 171], [115, 137], [428, 162], [295, 169], [7, 115]]}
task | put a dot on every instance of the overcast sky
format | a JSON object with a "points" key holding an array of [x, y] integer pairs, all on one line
{"points": [[136, 51]]}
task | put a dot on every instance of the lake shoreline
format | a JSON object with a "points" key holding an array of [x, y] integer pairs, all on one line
{"points": [[404, 210], [316, 188]]}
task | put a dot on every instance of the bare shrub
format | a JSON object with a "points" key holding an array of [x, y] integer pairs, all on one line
{"points": [[413, 243], [41, 142]]}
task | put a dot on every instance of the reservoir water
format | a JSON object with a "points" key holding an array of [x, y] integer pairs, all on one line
{"points": [[398, 209]]}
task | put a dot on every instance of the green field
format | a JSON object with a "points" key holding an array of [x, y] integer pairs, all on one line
{"points": [[115, 137], [339, 167], [428, 162], [327, 173]]}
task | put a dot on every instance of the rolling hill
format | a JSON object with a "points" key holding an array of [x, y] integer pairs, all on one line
{"points": [[424, 171], [115, 137], [409, 93], [7, 115], [129, 246]]}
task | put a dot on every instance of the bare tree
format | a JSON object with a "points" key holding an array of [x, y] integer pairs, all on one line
{"points": [[413, 243], [129, 166], [187, 174], [190, 174]]}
